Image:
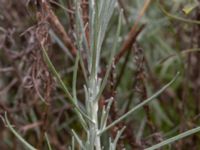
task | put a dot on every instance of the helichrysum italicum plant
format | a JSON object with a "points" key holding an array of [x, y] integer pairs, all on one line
{"points": [[93, 120]]}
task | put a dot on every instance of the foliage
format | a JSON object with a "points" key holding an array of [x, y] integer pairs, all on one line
{"points": [[107, 74]]}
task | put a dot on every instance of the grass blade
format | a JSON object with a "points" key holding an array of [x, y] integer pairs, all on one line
{"points": [[48, 143], [29, 146], [175, 138], [177, 17]]}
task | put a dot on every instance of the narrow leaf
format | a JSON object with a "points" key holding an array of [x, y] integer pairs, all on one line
{"points": [[139, 105]]}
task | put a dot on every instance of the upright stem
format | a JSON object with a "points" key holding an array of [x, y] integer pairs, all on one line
{"points": [[93, 90], [92, 109], [99, 15]]}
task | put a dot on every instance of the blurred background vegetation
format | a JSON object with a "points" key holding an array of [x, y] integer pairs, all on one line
{"points": [[168, 41]]}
